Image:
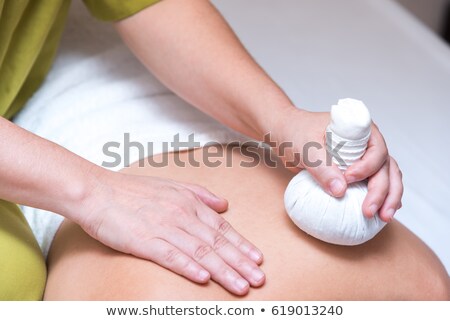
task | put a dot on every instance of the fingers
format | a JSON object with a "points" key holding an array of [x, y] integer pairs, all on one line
{"points": [[215, 202], [393, 200], [170, 257], [230, 254], [385, 192], [374, 158], [385, 179], [326, 173], [207, 239], [205, 255], [220, 225], [378, 188]]}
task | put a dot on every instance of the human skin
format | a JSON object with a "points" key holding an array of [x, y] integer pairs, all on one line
{"points": [[200, 59], [395, 265]]}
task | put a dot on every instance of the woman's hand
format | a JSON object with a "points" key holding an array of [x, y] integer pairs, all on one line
{"points": [[173, 224], [307, 132]]}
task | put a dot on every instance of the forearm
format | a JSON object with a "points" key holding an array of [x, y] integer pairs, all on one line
{"points": [[189, 47], [39, 173]]}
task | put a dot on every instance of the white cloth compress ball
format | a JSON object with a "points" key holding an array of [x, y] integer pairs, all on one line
{"points": [[336, 220]]}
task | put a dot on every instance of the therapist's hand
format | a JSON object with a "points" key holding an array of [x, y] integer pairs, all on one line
{"points": [[173, 224], [385, 187]]}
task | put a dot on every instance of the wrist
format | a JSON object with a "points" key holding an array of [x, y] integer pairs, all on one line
{"points": [[277, 121], [267, 121], [79, 193]]}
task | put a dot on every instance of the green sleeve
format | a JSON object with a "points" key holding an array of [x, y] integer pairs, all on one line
{"points": [[113, 10]]}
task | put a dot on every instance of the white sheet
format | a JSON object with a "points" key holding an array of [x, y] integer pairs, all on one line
{"points": [[373, 50]]}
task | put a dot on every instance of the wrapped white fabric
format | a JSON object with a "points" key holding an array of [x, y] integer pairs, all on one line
{"points": [[336, 220]]}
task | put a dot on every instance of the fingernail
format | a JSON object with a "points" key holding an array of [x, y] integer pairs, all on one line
{"points": [[255, 255], [373, 209], [241, 284], [258, 275], [203, 275], [336, 187], [390, 214]]}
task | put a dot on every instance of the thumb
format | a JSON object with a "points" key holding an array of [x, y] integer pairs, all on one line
{"points": [[213, 201], [325, 172]]}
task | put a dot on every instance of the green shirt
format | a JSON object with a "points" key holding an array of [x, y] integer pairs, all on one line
{"points": [[30, 31]]}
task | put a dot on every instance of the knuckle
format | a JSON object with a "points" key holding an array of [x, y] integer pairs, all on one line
{"points": [[137, 232], [177, 214], [360, 170], [393, 161], [397, 170], [184, 263], [388, 162], [189, 195], [241, 264], [181, 211], [385, 152], [219, 242], [241, 243], [201, 251], [171, 256], [223, 227], [142, 211]]}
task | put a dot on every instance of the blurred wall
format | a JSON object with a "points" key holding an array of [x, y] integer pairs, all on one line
{"points": [[431, 12]]}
